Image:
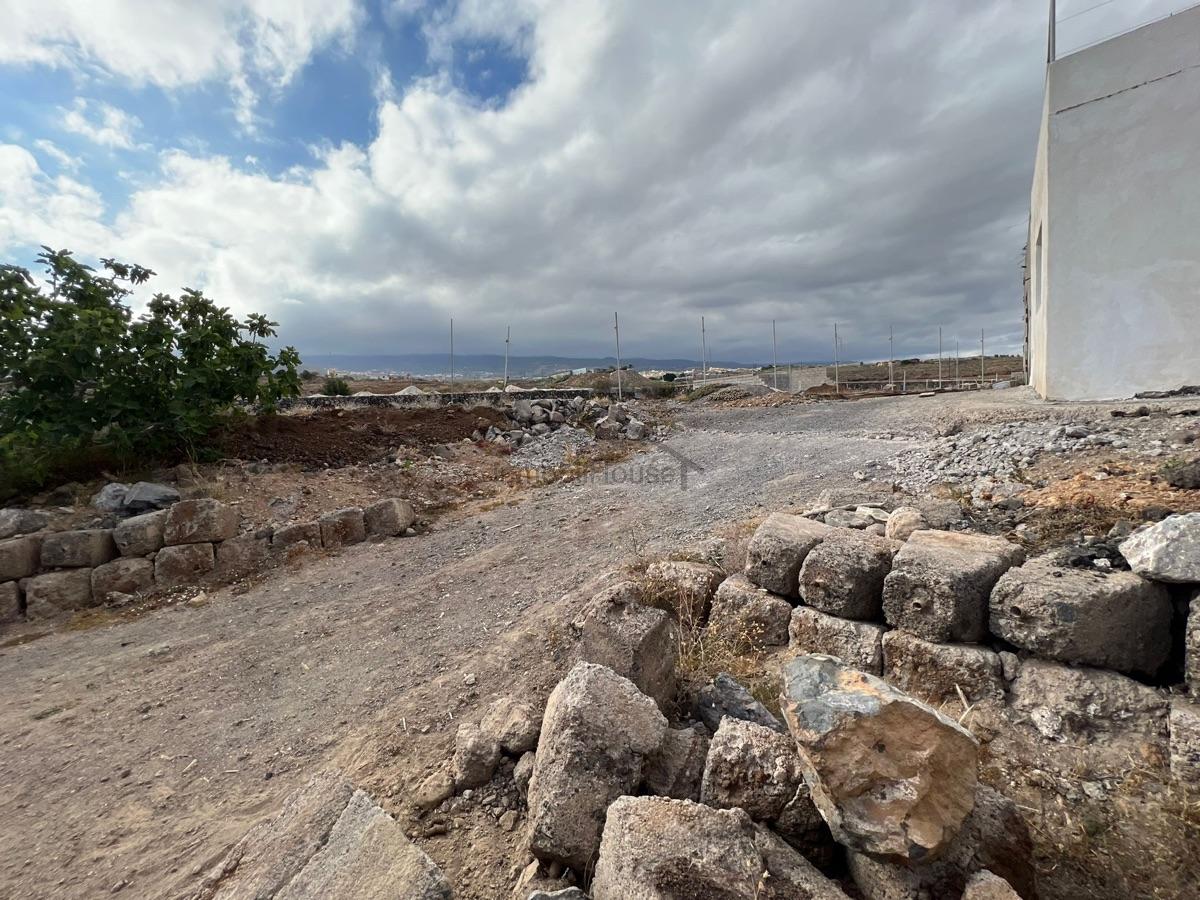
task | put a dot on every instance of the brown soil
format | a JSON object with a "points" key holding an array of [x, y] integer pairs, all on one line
{"points": [[343, 436]]}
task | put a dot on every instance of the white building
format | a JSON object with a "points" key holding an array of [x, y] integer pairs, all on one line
{"points": [[1114, 237]]}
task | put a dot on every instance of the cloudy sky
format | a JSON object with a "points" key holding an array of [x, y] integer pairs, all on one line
{"points": [[362, 170]]}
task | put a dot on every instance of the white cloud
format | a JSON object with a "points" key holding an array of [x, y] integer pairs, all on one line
{"points": [[177, 43], [60, 156], [809, 163], [101, 123]]}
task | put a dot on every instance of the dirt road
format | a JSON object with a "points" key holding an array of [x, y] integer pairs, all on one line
{"points": [[132, 755]]}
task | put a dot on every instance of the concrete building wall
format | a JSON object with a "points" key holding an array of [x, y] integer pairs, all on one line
{"points": [[1115, 286]]}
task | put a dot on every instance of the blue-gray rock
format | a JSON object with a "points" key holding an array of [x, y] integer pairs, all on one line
{"points": [[724, 696]]}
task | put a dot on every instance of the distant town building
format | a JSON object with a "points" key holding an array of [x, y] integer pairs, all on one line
{"points": [[1113, 293]]}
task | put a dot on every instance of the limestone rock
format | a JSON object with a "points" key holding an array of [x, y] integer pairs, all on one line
{"points": [[843, 575], [329, 840], [299, 533], [724, 696], [993, 837], [676, 768], [183, 564], [199, 521], [597, 732], [523, 771], [1115, 620], [343, 526], [19, 557], [660, 849], [513, 724], [888, 773], [243, 554], [777, 551], [848, 518], [1166, 551], [140, 535], [940, 583], [936, 672], [389, 517], [433, 790], [122, 576], [14, 522], [78, 549], [476, 756], [1184, 724], [687, 587], [638, 642], [903, 521], [858, 643], [56, 592], [748, 615]]}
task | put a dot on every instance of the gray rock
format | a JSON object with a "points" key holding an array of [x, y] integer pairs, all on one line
{"points": [[723, 696], [389, 517], [940, 583], [140, 535], [843, 575], [686, 587], [513, 724], [903, 522], [596, 736], [607, 429], [994, 836], [859, 644], [199, 522], [10, 602], [777, 551], [748, 615], [1191, 641], [130, 575], [571, 893], [57, 592], [757, 769], [523, 771], [111, 497], [145, 496], [522, 411], [183, 564], [329, 840], [846, 518], [299, 533], [862, 740], [1115, 620], [936, 673], [243, 554], [1184, 742], [78, 549], [343, 526], [476, 756], [676, 768], [1166, 551], [660, 849], [14, 522], [985, 885], [635, 429], [638, 642], [19, 557]]}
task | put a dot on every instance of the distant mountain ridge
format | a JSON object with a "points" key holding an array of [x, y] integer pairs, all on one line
{"points": [[490, 363]]}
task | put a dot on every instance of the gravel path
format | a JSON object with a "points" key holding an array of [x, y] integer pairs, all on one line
{"points": [[132, 755]]}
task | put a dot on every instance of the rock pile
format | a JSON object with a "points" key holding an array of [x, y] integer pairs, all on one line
{"points": [[581, 419]]}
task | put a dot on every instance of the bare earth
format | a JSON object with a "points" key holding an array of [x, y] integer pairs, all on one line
{"points": [[132, 755]]}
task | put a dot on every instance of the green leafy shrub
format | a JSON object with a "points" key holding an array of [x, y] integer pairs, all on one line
{"points": [[82, 379], [335, 387]]}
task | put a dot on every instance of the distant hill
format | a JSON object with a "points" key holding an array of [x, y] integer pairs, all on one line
{"points": [[488, 363]]}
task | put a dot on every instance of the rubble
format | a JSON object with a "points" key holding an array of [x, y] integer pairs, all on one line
{"points": [[888, 773], [513, 724], [476, 755]]}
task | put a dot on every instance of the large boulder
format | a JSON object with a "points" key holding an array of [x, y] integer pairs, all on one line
{"points": [[122, 576], [199, 522], [57, 592], [308, 533], [343, 526], [140, 535], [676, 768], [638, 642], [858, 643], [389, 517], [940, 583], [19, 557], [993, 837], [889, 774], [329, 840], [145, 496], [937, 673], [78, 549], [1166, 551], [748, 615], [10, 601], [725, 697], [686, 587], [843, 575], [183, 564], [597, 733], [777, 551], [660, 849], [1115, 620], [757, 769], [246, 553], [21, 521]]}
